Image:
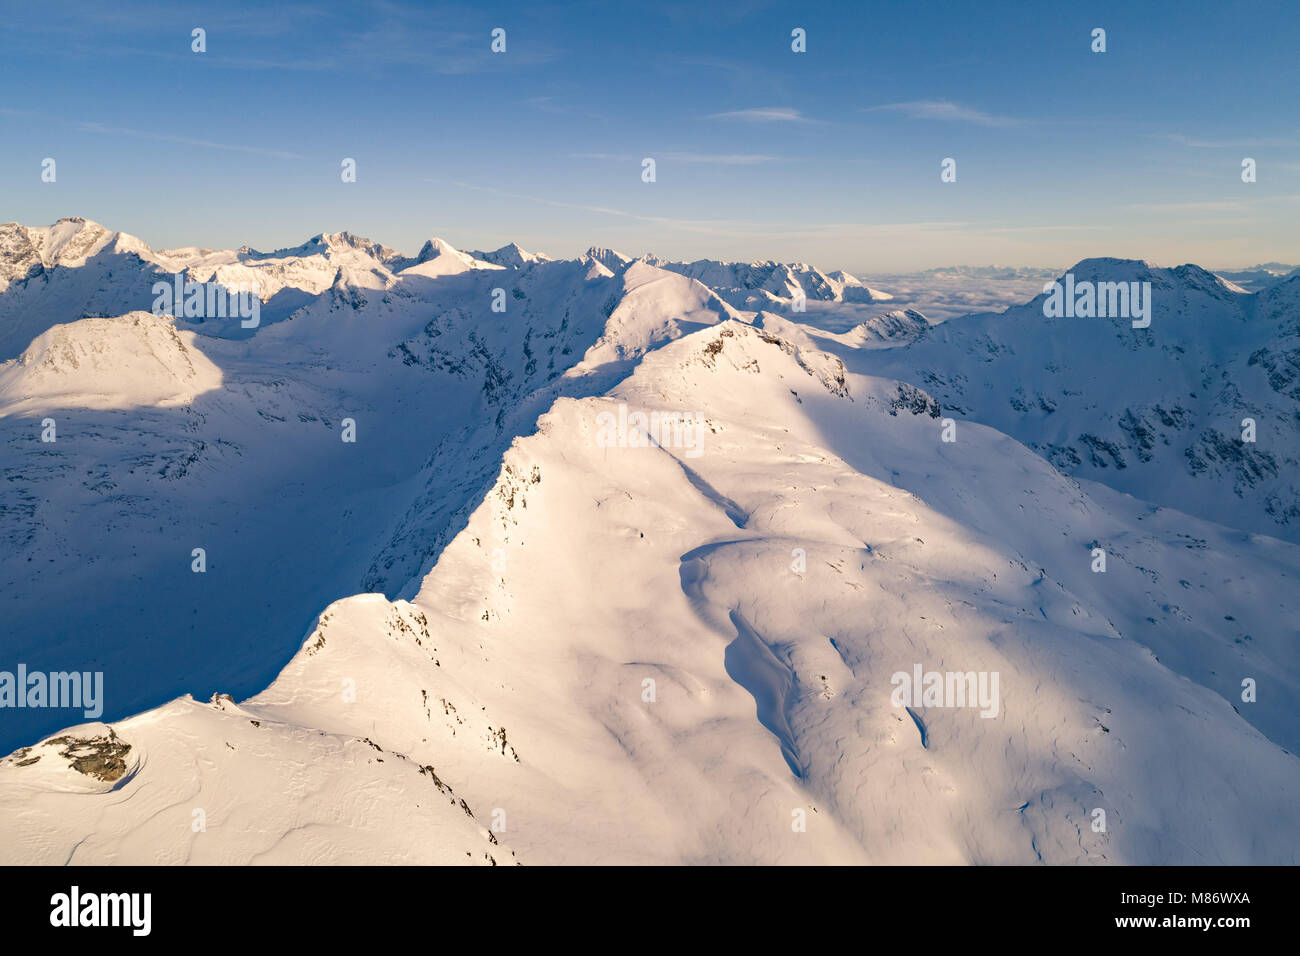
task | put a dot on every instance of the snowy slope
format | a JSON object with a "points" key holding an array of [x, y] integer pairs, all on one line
{"points": [[525, 679], [512, 256], [1154, 412], [768, 577], [135, 359], [759, 284], [168, 441], [236, 788], [70, 270]]}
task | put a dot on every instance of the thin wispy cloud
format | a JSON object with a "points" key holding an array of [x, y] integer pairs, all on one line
{"points": [[1211, 205], [619, 157], [721, 159], [735, 228], [708, 159], [1039, 228], [1182, 140], [946, 111], [1191, 206], [187, 141], [767, 114], [1197, 143], [268, 38], [548, 104], [710, 227]]}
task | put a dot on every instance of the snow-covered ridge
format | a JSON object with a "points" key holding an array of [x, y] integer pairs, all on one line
{"points": [[512, 256], [502, 692], [135, 359], [775, 280], [68, 243], [530, 644], [1196, 412]]}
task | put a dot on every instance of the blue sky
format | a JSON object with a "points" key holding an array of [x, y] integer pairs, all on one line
{"points": [[830, 156]]}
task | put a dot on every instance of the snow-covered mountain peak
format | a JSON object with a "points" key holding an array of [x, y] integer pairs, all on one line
{"points": [[435, 247], [337, 241], [1096, 267], [137, 359], [894, 327], [328, 245], [437, 257], [1186, 277], [68, 242], [611, 259], [761, 283], [512, 256]]}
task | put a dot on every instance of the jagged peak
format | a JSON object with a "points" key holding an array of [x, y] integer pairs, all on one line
{"points": [[511, 255], [611, 259], [438, 247], [67, 242]]}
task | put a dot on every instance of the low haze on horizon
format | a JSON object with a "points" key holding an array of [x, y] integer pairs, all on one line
{"points": [[831, 156]]}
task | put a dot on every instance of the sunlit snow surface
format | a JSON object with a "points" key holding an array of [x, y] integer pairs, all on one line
{"points": [[483, 634]]}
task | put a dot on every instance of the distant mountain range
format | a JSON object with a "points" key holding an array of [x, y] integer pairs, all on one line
{"points": [[483, 632]]}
